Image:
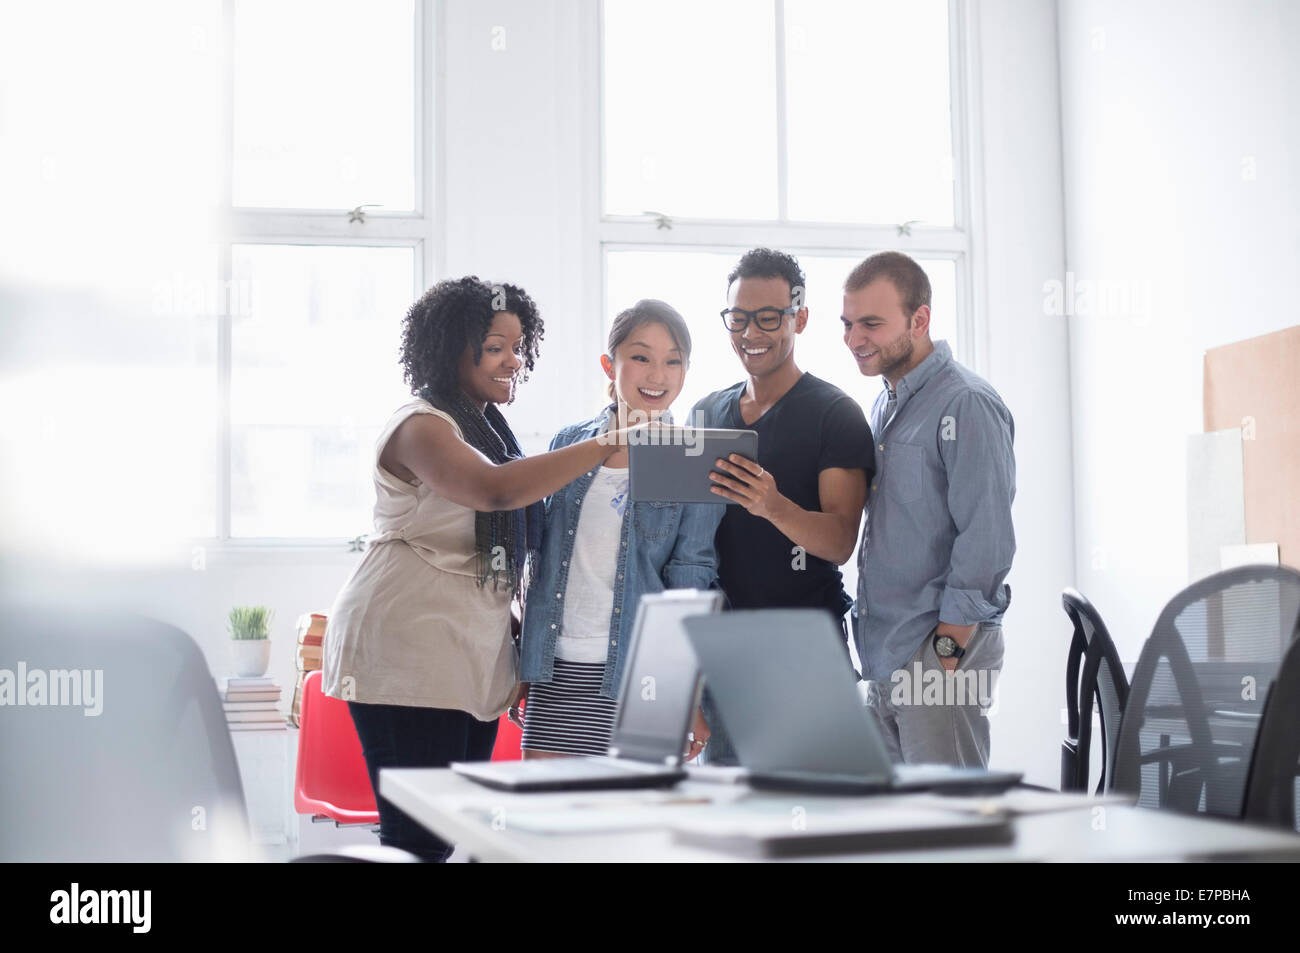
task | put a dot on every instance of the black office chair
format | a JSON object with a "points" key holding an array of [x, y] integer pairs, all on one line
{"points": [[1272, 795], [1198, 693], [1092, 672]]}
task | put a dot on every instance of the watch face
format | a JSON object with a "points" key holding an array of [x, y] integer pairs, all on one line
{"points": [[946, 646]]}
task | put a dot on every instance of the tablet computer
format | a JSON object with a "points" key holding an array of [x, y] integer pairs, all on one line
{"points": [[672, 464]]}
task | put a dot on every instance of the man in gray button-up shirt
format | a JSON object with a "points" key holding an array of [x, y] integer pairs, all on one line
{"points": [[937, 541]]}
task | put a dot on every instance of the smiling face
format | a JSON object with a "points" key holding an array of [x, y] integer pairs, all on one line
{"points": [[648, 369], [883, 338], [491, 380], [763, 352]]}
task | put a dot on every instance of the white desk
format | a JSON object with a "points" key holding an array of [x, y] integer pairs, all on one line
{"points": [[489, 826]]}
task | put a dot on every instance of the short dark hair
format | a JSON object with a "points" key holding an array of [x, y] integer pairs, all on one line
{"points": [[903, 273], [453, 314], [768, 263], [649, 311]]}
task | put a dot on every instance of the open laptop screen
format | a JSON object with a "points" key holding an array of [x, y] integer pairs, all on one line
{"points": [[661, 680], [786, 692]]}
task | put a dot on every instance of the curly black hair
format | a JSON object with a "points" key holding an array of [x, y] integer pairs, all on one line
{"points": [[768, 263], [452, 314]]}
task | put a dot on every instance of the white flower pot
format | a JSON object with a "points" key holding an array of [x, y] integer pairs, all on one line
{"points": [[252, 657]]}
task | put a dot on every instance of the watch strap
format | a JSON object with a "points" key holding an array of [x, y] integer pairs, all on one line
{"points": [[935, 636]]}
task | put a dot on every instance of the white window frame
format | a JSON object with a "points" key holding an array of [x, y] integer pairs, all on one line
{"points": [[418, 229], [961, 243]]}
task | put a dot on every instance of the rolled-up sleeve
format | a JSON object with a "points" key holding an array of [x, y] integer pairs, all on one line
{"points": [[975, 442], [694, 561]]}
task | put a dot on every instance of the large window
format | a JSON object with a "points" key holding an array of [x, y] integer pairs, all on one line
{"points": [[328, 243], [312, 378], [789, 110], [820, 127]]}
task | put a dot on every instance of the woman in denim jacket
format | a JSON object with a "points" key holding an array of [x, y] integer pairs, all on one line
{"points": [[601, 553]]}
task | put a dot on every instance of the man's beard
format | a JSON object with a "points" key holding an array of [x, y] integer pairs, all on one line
{"points": [[896, 356]]}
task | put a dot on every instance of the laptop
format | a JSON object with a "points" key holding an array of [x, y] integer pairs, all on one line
{"points": [[675, 467], [788, 697], [657, 698]]}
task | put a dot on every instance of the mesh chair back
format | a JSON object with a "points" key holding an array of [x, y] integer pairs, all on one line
{"points": [[1200, 687], [1272, 794], [1093, 672]]}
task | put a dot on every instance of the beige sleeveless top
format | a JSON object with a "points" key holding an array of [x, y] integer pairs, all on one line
{"points": [[412, 626]]}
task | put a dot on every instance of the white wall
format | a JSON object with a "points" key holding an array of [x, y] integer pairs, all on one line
{"points": [[1180, 134], [514, 202], [1021, 247]]}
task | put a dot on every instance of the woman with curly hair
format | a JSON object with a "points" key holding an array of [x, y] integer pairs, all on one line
{"points": [[419, 640]]}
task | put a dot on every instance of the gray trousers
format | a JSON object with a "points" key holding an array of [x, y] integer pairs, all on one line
{"points": [[927, 715]]}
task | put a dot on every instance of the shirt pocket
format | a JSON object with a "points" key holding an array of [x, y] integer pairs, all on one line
{"points": [[655, 521], [904, 467]]}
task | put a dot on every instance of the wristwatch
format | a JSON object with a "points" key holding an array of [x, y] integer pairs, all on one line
{"points": [[945, 646]]}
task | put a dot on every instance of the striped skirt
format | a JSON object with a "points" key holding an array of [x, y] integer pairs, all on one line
{"points": [[568, 713]]}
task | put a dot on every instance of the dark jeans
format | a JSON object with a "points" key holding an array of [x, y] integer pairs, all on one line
{"points": [[402, 736]]}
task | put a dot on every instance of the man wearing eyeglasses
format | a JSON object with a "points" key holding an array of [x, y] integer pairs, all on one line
{"points": [[800, 502], [938, 540]]}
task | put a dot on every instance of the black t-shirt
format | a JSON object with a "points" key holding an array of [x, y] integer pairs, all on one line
{"points": [[815, 426]]}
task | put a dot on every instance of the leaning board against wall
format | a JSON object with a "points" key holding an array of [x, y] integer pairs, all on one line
{"points": [[1254, 385]]}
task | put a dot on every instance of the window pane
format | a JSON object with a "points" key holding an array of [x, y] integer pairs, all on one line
{"points": [[324, 104], [690, 109], [695, 283], [110, 453], [868, 119], [314, 376]]}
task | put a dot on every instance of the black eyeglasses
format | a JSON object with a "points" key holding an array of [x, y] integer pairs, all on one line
{"points": [[769, 319]]}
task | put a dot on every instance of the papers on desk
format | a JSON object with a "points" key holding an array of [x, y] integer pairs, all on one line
{"points": [[599, 812], [792, 826], [1016, 801], [733, 818]]}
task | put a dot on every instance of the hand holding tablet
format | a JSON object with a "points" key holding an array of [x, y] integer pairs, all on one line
{"points": [[744, 482]]}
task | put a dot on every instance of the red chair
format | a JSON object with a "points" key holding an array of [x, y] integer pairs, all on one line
{"points": [[508, 739], [332, 782]]}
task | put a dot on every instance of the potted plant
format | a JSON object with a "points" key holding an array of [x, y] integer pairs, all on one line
{"points": [[250, 641]]}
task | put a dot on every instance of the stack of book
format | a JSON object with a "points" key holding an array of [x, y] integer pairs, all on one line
{"points": [[311, 637], [251, 704], [311, 633]]}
